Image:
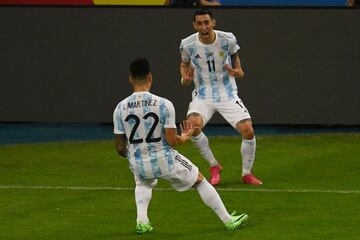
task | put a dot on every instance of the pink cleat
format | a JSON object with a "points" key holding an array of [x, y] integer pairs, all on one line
{"points": [[251, 179], [215, 175]]}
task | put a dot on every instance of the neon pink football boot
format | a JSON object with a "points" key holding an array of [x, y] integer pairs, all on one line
{"points": [[251, 179], [215, 175]]}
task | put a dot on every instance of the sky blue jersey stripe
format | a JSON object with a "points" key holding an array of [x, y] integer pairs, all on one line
{"points": [[151, 150], [139, 163], [167, 149], [227, 84], [137, 151], [201, 90], [119, 122], [154, 161]]}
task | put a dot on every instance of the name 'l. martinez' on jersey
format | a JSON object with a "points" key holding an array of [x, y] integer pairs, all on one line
{"points": [[143, 117], [212, 82]]}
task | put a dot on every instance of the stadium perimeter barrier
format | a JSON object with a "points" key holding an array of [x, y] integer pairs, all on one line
{"points": [[70, 64]]}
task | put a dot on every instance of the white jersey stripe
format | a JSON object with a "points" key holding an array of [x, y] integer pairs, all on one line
{"points": [[215, 96], [151, 151]]}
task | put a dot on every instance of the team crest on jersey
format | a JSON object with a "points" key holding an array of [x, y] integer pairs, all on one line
{"points": [[221, 54], [209, 54]]}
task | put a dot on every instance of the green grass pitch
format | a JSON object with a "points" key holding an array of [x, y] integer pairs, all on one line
{"points": [[311, 190]]}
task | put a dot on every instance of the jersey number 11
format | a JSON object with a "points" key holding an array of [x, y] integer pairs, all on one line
{"points": [[211, 65]]}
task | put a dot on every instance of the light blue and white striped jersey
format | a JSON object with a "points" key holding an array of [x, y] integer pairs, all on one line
{"points": [[211, 80], [143, 117]]}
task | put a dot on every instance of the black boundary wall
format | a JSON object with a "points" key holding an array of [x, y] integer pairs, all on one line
{"points": [[70, 64]]}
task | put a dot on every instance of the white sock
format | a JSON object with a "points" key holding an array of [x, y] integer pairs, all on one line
{"points": [[201, 142], [248, 148], [212, 199], [142, 198]]}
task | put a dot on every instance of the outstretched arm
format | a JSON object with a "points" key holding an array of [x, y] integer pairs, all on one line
{"points": [[173, 139], [235, 70], [187, 73]]}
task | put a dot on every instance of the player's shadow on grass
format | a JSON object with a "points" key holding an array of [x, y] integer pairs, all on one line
{"points": [[176, 233], [232, 184]]}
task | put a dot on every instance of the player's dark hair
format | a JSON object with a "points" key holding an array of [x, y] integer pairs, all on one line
{"points": [[203, 11], [140, 68]]}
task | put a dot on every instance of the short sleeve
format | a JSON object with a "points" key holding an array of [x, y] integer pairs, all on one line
{"points": [[233, 46], [185, 56], [118, 124]]}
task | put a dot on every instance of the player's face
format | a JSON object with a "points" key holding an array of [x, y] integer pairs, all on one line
{"points": [[204, 25]]}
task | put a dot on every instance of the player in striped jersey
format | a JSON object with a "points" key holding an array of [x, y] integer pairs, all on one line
{"points": [[210, 59], [145, 130]]}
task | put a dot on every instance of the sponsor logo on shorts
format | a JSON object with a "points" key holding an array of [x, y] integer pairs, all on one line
{"points": [[183, 162]]}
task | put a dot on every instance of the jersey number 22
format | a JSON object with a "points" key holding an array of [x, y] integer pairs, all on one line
{"points": [[148, 138]]}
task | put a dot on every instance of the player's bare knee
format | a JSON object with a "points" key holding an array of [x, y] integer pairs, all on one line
{"points": [[248, 133], [197, 131], [245, 129], [199, 179], [196, 121]]}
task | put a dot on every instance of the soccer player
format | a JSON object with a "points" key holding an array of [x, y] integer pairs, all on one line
{"points": [[145, 130], [210, 59]]}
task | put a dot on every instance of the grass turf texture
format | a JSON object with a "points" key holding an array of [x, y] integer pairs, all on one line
{"points": [[296, 162]]}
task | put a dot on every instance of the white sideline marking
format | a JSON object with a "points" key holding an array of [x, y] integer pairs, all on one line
{"points": [[171, 189]]}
